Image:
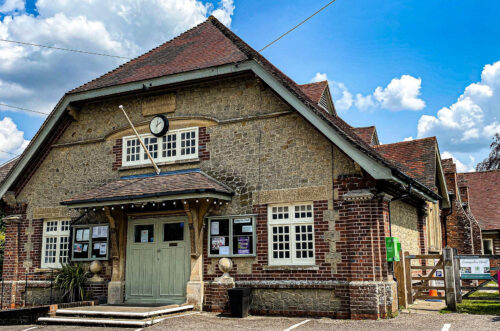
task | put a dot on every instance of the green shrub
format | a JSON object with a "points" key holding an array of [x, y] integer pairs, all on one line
{"points": [[72, 279]]}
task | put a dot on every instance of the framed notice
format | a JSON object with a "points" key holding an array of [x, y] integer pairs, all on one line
{"points": [[231, 236], [90, 242]]}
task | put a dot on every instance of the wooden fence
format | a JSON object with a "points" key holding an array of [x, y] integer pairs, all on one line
{"points": [[418, 274]]}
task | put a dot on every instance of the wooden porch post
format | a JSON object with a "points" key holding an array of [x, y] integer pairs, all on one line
{"points": [[399, 269], [449, 278], [118, 243], [195, 287]]}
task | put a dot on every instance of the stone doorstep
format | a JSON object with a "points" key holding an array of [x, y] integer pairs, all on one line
{"points": [[101, 321], [124, 311]]}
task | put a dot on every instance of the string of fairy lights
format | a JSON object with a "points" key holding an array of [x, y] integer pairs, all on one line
{"points": [[145, 205]]}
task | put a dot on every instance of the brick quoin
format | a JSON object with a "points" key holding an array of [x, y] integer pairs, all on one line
{"points": [[203, 140], [117, 151]]}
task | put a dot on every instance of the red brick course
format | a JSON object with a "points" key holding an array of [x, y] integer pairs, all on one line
{"points": [[203, 140]]}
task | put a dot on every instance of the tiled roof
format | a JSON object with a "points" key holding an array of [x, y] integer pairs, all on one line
{"points": [[201, 47], [416, 158], [159, 186], [5, 168], [484, 197], [365, 133], [314, 90]]}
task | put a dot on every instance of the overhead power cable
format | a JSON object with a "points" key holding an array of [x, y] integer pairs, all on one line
{"points": [[24, 109], [64, 49], [295, 27], [9, 153]]}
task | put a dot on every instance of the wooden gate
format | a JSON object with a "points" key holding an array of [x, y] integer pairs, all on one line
{"points": [[416, 276], [423, 276]]}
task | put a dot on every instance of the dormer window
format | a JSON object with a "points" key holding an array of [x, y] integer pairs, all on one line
{"points": [[176, 145]]}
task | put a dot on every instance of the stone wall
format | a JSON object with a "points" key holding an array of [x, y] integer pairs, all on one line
{"points": [[320, 302], [404, 220], [250, 140]]}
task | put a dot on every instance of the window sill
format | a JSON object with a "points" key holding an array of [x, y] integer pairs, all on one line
{"points": [[291, 267], [149, 165], [46, 269], [231, 256]]}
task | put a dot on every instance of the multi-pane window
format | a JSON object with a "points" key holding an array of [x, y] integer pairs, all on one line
{"points": [[152, 146], [188, 143], [169, 145], [55, 243], [291, 234], [132, 150], [177, 145]]}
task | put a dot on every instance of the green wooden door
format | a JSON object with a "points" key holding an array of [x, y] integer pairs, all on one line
{"points": [[157, 260]]}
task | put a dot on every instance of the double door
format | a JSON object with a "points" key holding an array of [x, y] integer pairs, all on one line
{"points": [[157, 265]]}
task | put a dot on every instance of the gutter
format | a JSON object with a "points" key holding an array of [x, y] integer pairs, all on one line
{"points": [[144, 196]]}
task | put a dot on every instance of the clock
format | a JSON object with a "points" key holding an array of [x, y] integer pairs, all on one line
{"points": [[159, 125]]}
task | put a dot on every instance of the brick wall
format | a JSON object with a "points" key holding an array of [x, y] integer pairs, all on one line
{"points": [[462, 230], [203, 140], [216, 297], [117, 151], [360, 286]]}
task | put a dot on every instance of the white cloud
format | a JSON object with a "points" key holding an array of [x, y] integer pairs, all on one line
{"points": [[341, 96], [461, 167], [126, 27], [365, 102], [225, 12], [319, 77], [10, 5], [410, 138], [469, 124], [400, 94], [11, 140]]}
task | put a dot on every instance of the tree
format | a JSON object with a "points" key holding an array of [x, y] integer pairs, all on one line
{"points": [[492, 162]]}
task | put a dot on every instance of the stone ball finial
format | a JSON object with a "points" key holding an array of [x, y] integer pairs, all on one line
{"points": [[225, 265], [95, 268]]}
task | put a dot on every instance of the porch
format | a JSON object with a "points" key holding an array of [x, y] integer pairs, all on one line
{"points": [[153, 258]]}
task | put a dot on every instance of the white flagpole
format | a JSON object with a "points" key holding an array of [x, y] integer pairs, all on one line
{"points": [[140, 140]]}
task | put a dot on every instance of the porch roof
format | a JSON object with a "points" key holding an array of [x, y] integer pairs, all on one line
{"points": [[184, 184]]}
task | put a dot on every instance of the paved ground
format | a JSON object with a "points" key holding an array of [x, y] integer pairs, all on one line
{"points": [[208, 321]]}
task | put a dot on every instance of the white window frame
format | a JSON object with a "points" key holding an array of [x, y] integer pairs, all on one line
{"points": [[143, 159], [291, 222], [61, 231]]}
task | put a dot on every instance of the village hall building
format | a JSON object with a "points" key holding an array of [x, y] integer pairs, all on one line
{"points": [[253, 167]]}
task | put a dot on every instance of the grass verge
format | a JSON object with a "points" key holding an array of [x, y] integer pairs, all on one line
{"points": [[478, 307]]}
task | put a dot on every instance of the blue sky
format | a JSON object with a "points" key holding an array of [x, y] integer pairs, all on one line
{"points": [[439, 47]]}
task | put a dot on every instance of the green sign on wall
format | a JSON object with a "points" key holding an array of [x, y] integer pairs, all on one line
{"points": [[392, 248]]}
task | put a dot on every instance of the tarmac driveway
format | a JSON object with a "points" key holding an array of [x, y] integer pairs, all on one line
{"points": [[208, 321]]}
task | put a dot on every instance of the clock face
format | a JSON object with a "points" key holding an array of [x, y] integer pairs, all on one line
{"points": [[158, 125]]}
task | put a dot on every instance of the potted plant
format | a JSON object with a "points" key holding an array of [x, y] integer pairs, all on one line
{"points": [[72, 279]]}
